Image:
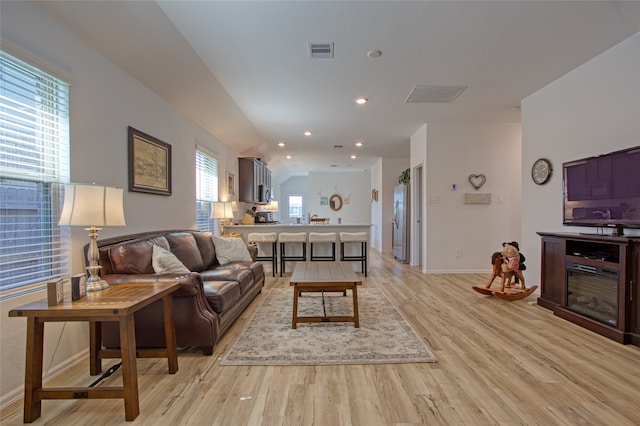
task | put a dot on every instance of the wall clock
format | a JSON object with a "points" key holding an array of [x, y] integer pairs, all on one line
{"points": [[541, 171]]}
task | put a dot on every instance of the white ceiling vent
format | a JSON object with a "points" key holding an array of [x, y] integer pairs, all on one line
{"points": [[338, 146], [321, 50], [434, 94]]}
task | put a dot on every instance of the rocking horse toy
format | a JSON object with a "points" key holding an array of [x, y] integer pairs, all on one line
{"points": [[508, 264]]}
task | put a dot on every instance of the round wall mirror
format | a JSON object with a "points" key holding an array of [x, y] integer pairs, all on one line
{"points": [[335, 202]]}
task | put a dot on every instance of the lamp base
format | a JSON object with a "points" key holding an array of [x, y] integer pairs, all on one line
{"points": [[94, 283]]}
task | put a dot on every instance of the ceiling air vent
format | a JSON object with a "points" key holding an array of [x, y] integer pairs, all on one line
{"points": [[434, 94], [338, 146], [321, 50]]}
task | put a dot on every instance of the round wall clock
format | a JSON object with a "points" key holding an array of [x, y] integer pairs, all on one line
{"points": [[541, 171]]}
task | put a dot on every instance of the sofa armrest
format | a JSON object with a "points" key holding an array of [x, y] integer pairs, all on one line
{"points": [[253, 251]]}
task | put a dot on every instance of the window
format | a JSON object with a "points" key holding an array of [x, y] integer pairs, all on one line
{"points": [[34, 165], [295, 206], [206, 190]]}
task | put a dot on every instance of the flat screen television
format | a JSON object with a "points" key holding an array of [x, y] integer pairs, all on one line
{"points": [[603, 191]]}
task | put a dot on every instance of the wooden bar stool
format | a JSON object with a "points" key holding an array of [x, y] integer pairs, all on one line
{"points": [[292, 238], [355, 237], [258, 238], [322, 238]]}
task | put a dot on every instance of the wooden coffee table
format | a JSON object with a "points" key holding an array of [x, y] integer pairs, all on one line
{"points": [[325, 277], [117, 303]]}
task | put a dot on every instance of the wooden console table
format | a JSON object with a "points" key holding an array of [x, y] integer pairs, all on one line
{"points": [[117, 303], [561, 252], [329, 277]]}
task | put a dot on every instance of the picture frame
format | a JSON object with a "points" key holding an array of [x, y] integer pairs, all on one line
{"points": [[231, 184], [149, 163]]}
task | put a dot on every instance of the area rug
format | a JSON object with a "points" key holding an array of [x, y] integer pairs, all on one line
{"points": [[384, 337]]}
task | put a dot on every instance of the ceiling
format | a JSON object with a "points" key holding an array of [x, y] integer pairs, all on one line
{"points": [[242, 70]]}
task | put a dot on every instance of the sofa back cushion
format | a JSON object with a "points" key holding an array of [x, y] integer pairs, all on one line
{"points": [[183, 245], [135, 257]]}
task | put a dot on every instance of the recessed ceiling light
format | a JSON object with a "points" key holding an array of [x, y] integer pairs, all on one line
{"points": [[359, 143], [353, 157], [361, 101], [307, 133], [280, 143], [374, 53], [288, 157]]}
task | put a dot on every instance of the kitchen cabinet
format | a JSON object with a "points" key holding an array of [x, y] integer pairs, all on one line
{"points": [[254, 181]]}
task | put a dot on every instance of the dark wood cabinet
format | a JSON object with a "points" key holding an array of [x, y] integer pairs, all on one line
{"points": [[552, 272], [634, 294], [254, 181], [592, 281]]}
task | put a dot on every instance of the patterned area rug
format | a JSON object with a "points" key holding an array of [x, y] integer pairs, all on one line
{"points": [[384, 337]]}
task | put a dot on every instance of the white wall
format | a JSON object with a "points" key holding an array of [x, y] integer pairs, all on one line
{"points": [[104, 101], [377, 217], [461, 237], [352, 186], [592, 110]]}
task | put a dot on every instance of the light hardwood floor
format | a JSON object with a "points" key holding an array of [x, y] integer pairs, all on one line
{"points": [[499, 363]]}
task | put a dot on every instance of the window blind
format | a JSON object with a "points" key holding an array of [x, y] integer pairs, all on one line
{"points": [[34, 165], [206, 190]]}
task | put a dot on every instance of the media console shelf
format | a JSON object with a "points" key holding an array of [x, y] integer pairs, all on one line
{"points": [[592, 281]]}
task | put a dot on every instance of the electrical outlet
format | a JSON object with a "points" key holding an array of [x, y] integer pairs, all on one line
{"points": [[458, 252]]}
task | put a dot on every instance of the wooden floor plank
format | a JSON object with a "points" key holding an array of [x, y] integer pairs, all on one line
{"points": [[500, 362]]}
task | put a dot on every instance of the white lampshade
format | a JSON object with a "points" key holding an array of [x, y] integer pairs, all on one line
{"points": [[222, 210], [272, 206], [92, 205]]}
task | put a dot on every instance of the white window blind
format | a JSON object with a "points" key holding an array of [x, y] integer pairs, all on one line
{"points": [[34, 165], [206, 190]]}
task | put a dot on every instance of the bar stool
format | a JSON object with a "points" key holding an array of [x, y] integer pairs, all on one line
{"points": [[355, 237], [266, 237], [291, 238], [322, 238]]}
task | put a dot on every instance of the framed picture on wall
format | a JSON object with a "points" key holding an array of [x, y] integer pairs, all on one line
{"points": [[149, 164], [231, 184]]}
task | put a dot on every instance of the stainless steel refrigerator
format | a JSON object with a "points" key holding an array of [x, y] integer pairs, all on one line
{"points": [[401, 223]]}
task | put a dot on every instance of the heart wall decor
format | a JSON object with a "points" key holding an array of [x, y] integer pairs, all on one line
{"points": [[477, 181]]}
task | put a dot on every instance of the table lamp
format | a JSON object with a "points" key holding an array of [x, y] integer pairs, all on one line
{"points": [[222, 210], [272, 206], [92, 206]]}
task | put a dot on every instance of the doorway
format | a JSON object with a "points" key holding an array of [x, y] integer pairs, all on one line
{"points": [[417, 233]]}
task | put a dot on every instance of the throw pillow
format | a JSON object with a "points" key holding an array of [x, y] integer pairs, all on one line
{"points": [[231, 250], [165, 262]]}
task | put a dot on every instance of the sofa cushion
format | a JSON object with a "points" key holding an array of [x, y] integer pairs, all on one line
{"points": [[135, 257], [221, 295], [241, 275], [165, 262], [231, 250], [184, 246]]}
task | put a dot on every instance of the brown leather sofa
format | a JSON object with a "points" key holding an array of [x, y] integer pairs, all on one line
{"points": [[212, 296]]}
